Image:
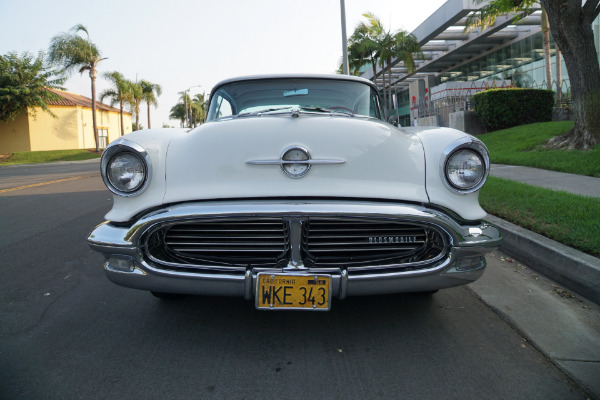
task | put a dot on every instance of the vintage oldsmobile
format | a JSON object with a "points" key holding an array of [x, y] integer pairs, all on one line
{"points": [[296, 193]]}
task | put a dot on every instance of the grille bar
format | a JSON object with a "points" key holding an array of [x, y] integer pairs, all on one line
{"points": [[362, 243], [224, 242]]}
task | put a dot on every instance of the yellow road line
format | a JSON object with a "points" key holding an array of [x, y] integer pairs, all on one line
{"points": [[43, 183]]}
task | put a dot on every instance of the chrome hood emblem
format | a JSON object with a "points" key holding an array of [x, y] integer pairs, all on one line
{"points": [[295, 161]]}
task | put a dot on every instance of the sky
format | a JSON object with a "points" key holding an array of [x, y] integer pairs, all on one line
{"points": [[194, 45]]}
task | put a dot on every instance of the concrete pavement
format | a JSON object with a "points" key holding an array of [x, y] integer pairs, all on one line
{"points": [[578, 184], [560, 324]]}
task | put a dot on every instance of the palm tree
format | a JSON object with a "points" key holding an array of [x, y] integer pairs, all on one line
{"points": [[186, 101], [134, 98], [386, 51], [150, 91], [117, 94], [71, 51], [362, 50], [380, 37], [386, 46], [199, 108], [201, 105], [178, 113]]}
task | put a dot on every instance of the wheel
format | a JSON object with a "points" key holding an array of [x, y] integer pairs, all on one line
{"points": [[166, 296]]}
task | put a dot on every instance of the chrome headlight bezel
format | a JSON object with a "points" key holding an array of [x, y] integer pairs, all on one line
{"points": [[474, 145], [117, 148]]}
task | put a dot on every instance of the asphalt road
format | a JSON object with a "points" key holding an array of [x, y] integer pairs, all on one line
{"points": [[66, 332]]}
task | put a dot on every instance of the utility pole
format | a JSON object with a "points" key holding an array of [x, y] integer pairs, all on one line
{"points": [[344, 40]]}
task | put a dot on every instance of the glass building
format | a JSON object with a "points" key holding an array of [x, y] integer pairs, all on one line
{"points": [[505, 52]]}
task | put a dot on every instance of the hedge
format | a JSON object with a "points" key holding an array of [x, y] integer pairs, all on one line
{"points": [[504, 108]]}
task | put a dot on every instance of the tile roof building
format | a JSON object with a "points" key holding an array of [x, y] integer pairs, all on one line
{"points": [[71, 129]]}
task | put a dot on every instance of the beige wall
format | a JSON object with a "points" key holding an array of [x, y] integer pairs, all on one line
{"points": [[72, 129], [48, 133], [104, 120], [14, 135]]}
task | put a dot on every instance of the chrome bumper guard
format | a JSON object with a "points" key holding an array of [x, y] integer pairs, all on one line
{"points": [[126, 264]]}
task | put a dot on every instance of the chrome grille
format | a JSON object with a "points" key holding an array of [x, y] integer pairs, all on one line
{"points": [[221, 242], [358, 242], [235, 244]]}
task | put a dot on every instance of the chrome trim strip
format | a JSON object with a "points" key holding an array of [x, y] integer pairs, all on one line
{"points": [[282, 162], [295, 262], [342, 284], [248, 285], [107, 234]]}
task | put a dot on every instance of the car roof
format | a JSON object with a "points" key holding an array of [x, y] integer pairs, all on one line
{"points": [[338, 77]]}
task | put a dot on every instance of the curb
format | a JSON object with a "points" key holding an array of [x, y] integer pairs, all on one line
{"points": [[35, 165], [571, 268]]}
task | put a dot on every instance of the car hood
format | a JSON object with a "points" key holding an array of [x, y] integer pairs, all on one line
{"points": [[211, 162]]}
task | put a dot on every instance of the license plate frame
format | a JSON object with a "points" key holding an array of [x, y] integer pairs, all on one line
{"points": [[311, 292]]}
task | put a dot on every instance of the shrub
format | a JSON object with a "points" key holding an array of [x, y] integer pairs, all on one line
{"points": [[503, 108]]}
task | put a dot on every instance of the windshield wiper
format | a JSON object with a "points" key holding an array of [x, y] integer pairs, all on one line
{"points": [[328, 111], [260, 112], [295, 110]]}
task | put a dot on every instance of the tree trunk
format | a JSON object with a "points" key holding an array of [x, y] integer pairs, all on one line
{"points": [[385, 101], [391, 106], [93, 79], [121, 113], [373, 64], [136, 109], [558, 75], [570, 23], [546, 41], [148, 103]]}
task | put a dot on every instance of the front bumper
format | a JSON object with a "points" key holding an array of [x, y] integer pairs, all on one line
{"points": [[127, 265]]}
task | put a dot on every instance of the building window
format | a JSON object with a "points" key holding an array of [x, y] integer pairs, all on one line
{"points": [[102, 137]]}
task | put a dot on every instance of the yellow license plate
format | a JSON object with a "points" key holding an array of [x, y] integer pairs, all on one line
{"points": [[293, 292]]}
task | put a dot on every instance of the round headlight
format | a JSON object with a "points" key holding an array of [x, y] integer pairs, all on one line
{"points": [[465, 169], [126, 172]]}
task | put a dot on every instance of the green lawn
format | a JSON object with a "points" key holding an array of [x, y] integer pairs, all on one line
{"points": [[523, 145], [35, 157], [567, 218]]}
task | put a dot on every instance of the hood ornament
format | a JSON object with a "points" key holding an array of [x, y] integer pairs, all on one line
{"points": [[295, 161]]}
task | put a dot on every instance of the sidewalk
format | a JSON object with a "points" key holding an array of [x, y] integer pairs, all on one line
{"points": [[578, 184]]}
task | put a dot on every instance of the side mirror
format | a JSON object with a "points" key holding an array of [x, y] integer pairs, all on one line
{"points": [[393, 120]]}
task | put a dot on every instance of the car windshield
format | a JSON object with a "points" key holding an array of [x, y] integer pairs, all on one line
{"points": [[305, 94]]}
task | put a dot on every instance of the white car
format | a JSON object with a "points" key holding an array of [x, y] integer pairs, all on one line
{"points": [[295, 192]]}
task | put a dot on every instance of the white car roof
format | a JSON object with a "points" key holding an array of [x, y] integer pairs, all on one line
{"points": [[291, 76]]}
